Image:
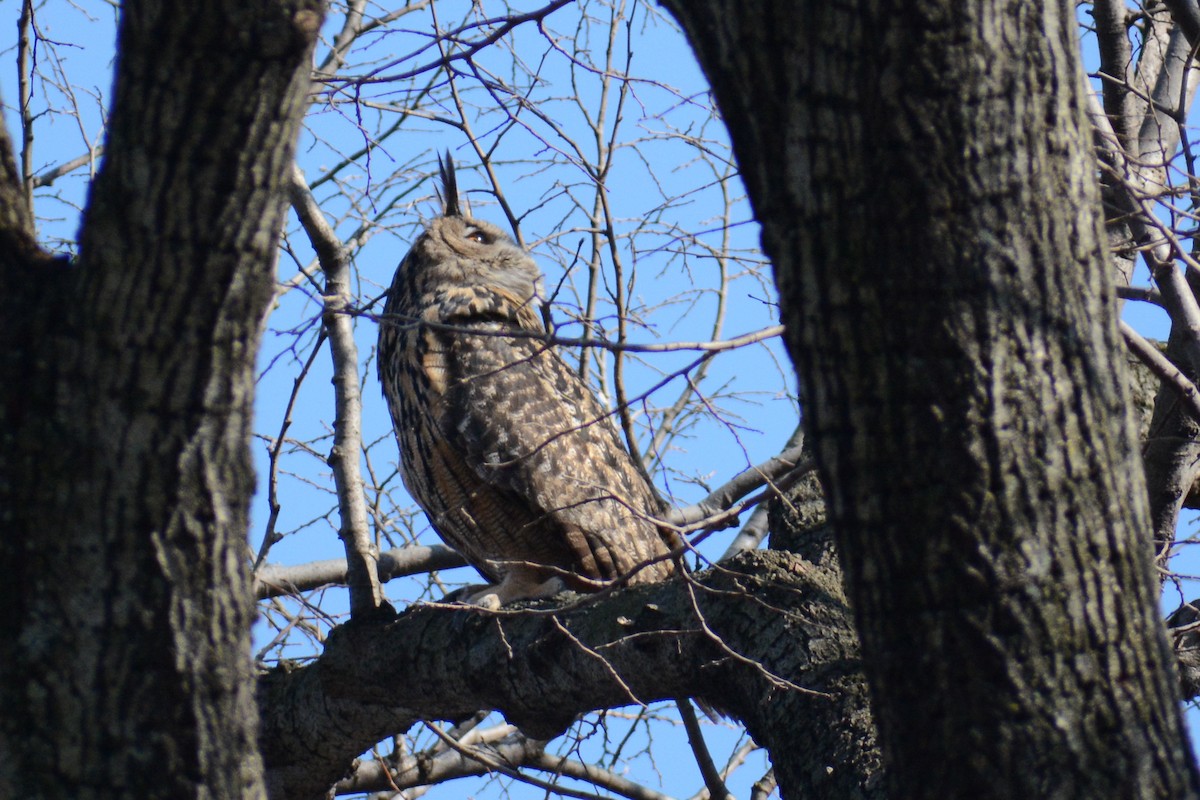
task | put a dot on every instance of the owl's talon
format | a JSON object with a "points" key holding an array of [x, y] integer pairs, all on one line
{"points": [[481, 597]]}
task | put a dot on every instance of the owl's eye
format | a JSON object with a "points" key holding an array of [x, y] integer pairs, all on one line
{"points": [[478, 236]]}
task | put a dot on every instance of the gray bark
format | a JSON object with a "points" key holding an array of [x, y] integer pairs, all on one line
{"points": [[125, 399], [772, 618], [927, 192]]}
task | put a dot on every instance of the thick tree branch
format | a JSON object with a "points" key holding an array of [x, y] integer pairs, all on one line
{"points": [[1116, 60], [545, 665], [1187, 15]]}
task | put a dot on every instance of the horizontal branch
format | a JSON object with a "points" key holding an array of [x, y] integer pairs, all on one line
{"points": [[545, 664], [424, 769], [54, 173], [274, 580], [1145, 294], [716, 510]]}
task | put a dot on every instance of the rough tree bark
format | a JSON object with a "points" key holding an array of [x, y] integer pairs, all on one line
{"points": [[928, 197], [125, 398], [770, 618]]}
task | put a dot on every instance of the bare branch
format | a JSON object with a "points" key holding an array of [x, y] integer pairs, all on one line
{"points": [[273, 580], [494, 764], [1187, 15], [594, 775], [67, 167], [25, 91], [764, 786], [366, 595], [270, 535], [712, 779], [741, 485], [755, 529], [1161, 366], [427, 769]]}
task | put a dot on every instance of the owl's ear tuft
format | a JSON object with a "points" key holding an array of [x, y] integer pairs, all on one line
{"points": [[450, 207]]}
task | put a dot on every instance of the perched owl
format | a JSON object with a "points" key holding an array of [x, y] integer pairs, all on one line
{"points": [[514, 460]]}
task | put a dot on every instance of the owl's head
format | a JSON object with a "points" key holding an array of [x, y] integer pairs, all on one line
{"points": [[457, 250]]}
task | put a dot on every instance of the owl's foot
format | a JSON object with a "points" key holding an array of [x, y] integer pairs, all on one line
{"points": [[518, 584]]}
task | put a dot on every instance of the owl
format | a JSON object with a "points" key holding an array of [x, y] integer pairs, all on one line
{"points": [[514, 460]]}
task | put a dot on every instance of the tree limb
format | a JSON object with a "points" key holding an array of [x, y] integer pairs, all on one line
{"points": [[1187, 15], [366, 595], [274, 580], [742, 484], [1149, 355], [540, 667]]}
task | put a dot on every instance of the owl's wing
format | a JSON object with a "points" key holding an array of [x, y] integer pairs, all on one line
{"points": [[533, 430]]}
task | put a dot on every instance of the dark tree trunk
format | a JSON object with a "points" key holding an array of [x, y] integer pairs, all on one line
{"points": [[125, 395], [924, 179]]}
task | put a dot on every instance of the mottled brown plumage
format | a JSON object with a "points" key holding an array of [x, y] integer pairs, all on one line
{"points": [[509, 453]]}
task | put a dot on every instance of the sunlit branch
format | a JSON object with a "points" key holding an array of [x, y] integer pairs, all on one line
{"points": [[764, 787], [426, 769], [51, 175], [273, 580], [1161, 366], [496, 765], [721, 500], [361, 552], [1145, 294]]}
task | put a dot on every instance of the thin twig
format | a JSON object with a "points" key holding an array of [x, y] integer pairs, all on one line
{"points": [[595, 775], [270, 535], [496, 765]]}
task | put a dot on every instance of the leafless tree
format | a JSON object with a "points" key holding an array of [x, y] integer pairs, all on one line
{"points": [[930, 207]]}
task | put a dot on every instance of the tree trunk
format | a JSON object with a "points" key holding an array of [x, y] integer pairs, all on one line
{"points": [[125, 401], [924, 179]]}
